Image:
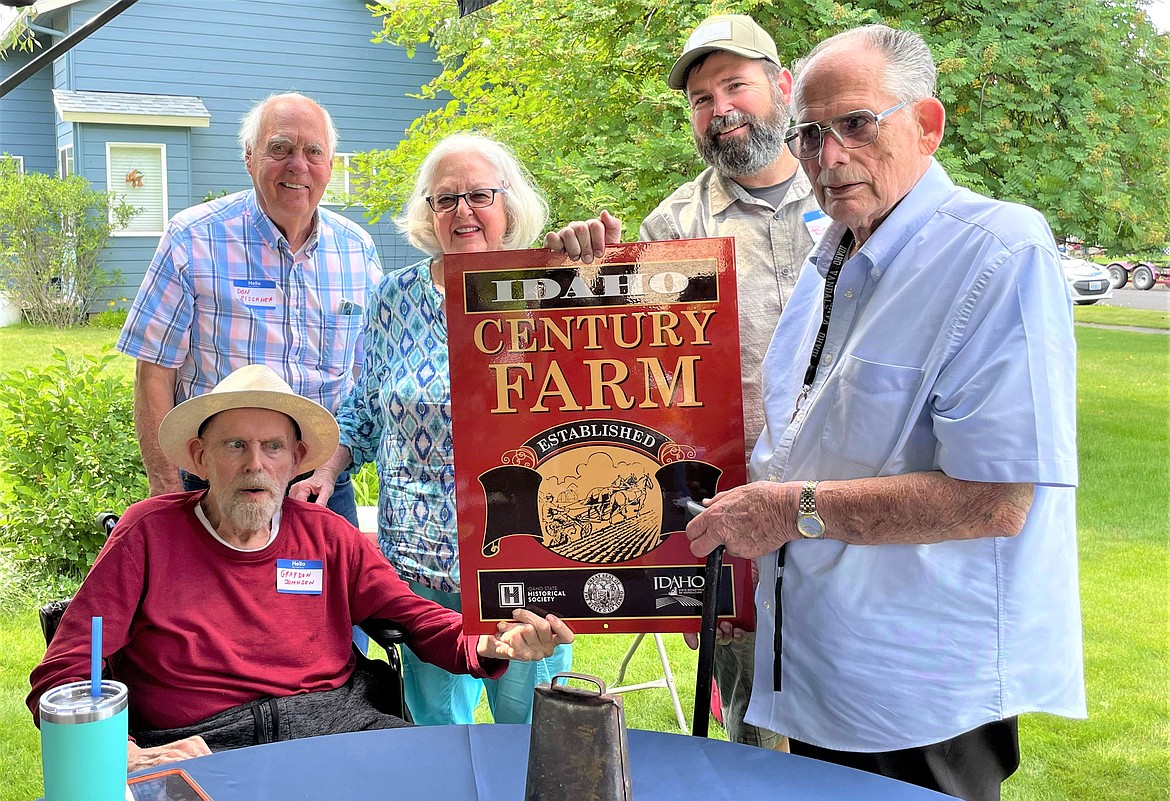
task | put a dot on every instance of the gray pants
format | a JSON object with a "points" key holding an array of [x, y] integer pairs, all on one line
{"points": [[346, 709], [733, 667]]}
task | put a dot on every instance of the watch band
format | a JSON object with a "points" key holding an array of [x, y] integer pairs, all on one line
{"points": [[808, 498], [808, 523]]}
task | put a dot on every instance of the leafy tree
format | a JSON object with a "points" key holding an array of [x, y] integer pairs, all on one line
{"points": [[1068, 117], [18, 38], [52, 231]]}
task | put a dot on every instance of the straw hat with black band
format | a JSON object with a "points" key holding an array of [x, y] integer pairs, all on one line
{"points": [[735, 33], [253, 386]]}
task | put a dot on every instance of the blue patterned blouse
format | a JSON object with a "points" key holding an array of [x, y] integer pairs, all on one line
{"points": [[398, 415]]}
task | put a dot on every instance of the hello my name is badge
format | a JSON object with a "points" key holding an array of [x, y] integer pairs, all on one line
{"points": [[590, 402]]}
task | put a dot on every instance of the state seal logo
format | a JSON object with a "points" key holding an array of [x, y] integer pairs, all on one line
{"points": [[604, 593]]}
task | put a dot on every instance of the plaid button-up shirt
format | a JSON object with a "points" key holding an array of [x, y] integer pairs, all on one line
{"points": [[224, 289]]}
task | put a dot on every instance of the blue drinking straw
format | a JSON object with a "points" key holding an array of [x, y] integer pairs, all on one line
{"points": [[95, 659]]}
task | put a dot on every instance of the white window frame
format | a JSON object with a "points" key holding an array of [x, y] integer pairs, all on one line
{"points": [[347, 182], [18, 159], [62, 153], [111, 186]]}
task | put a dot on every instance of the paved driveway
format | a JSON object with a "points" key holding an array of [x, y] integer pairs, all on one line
{"points": [[1156, 299]]}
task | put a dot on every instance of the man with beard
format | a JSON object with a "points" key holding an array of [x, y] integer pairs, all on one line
{"points": [[227, 612], [738, 94]]}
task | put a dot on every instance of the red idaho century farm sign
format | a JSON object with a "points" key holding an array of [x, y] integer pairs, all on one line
{"points": [[589, 404]]}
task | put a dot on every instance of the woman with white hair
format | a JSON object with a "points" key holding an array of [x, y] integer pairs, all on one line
{"points": [[470, 195]]}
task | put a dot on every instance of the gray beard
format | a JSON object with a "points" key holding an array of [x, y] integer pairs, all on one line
{"points": [[747, 155], [251, 516], [247, 515]]}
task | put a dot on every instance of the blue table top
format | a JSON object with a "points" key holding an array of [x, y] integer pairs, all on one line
{"points": [[489, 763]]}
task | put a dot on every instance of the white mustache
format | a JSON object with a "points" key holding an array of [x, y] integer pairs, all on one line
{"points": [[255, 482]]}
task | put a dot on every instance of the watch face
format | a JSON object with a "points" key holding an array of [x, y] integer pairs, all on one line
{"points": [[810, 526]]}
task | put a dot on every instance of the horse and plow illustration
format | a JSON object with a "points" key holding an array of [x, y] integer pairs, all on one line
{"points": [[587, 517]]}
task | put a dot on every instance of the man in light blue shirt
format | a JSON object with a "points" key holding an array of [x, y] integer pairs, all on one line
{"points": [[918, 462]]}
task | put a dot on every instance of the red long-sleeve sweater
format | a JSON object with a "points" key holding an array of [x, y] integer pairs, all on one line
{"points": [[193, 627]]}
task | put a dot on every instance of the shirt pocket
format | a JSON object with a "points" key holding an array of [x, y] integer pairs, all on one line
{"points": [[339, 335], [869, 410]]}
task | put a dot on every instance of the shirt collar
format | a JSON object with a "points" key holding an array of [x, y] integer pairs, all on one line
{"points": [[268, 230], [725, 191]]}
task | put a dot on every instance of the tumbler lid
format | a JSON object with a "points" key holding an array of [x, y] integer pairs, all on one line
{"points": [[72, 703]]}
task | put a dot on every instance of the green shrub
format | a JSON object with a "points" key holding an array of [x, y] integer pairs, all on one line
{"points": [[114, 318], [23, 588], [52, 232], [67, 452]]}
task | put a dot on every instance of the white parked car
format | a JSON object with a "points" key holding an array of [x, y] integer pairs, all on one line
{"points": [[1088, 282]]}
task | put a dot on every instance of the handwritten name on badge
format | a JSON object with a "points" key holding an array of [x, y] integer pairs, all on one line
{"points": [[300, 576], [817, 222], [257, 293]]}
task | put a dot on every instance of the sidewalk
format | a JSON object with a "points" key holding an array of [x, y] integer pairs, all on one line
{"points": [[1132, 328]]}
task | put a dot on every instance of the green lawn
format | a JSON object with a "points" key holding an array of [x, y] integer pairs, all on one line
{"points": [[1121, 752], [25, 346], [1123, 523], [1115, 315]]}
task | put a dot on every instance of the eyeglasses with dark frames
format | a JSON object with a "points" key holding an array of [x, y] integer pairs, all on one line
{"points": [[475, 199], [853, 130]]}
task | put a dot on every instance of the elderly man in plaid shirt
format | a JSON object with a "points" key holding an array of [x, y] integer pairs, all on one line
{"points": [[263, 276]]}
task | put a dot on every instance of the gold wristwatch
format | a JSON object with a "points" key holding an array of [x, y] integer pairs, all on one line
{"points": [[808, 522]]}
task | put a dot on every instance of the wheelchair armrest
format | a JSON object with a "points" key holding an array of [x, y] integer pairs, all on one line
{"points": [[390, 695], [106, 522], [50, 616], [386, 633]]}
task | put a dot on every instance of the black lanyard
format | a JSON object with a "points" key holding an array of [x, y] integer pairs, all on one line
{"points": [[814, 359], [810, 375]]}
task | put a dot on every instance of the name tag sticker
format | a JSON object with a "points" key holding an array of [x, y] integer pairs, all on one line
{"points": [[257, 293], [300, 576], [817, 222]]}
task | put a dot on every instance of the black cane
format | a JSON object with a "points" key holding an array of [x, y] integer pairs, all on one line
{"points": [[711, 575]]}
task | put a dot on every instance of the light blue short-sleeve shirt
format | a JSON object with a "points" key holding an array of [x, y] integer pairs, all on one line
{"points": [[950, 348]]}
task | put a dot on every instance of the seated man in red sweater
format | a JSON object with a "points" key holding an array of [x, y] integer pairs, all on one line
{"points": [[228, 612]]}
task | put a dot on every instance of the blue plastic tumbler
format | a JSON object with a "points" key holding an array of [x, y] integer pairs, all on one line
{"points": [[83, 742]]}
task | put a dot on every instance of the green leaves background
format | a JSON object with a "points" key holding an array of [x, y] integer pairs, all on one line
{"points": [[1060, 104]]}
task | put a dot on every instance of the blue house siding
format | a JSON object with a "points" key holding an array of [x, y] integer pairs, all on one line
{"points": [[233, 54], [27, 119], [65, 136], [230, 54]]}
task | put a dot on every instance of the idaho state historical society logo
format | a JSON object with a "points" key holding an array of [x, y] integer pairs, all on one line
{"points": [[596, 491]]}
